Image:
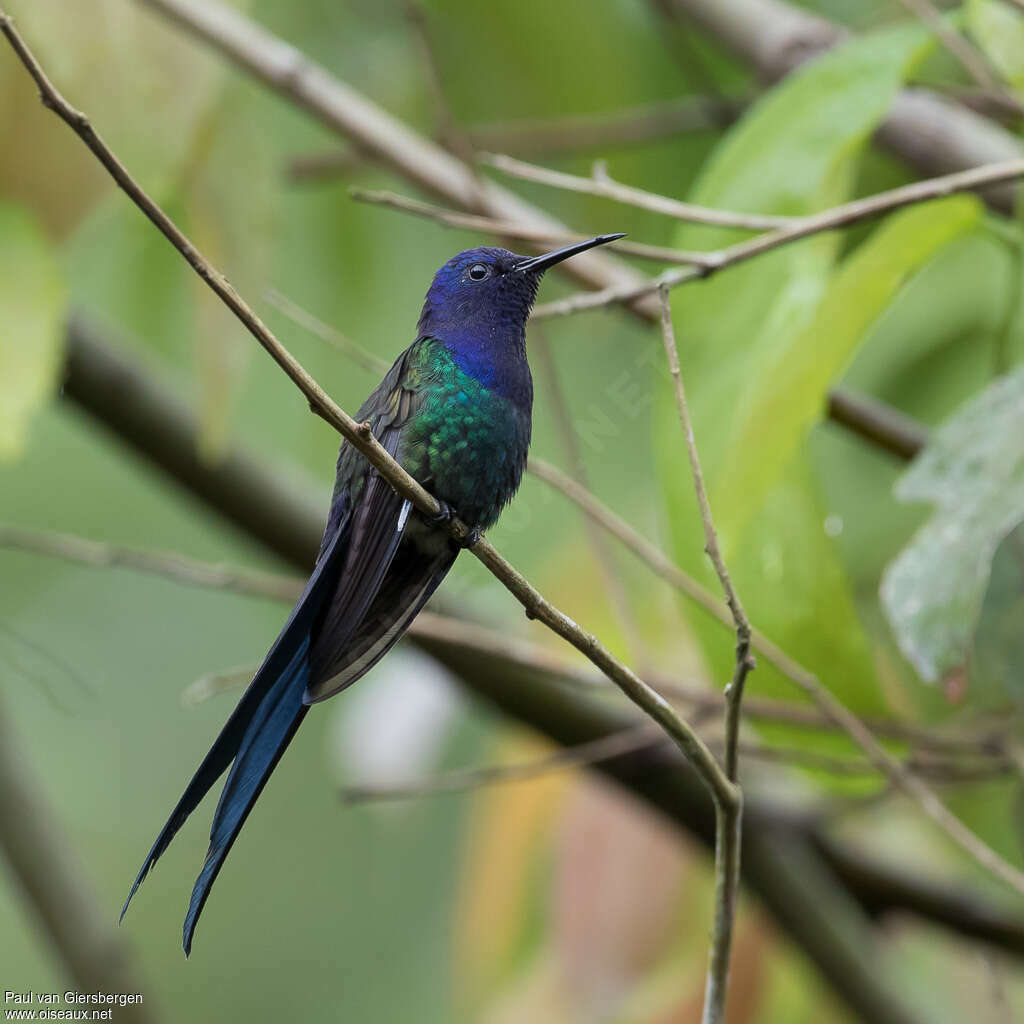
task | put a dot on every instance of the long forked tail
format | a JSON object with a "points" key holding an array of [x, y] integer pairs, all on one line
{"points": [[254, 737], [269, 733]]}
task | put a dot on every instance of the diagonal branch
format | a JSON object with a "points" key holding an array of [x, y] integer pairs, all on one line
{"points": [[506, 229], [361, 437], [803, 227]]}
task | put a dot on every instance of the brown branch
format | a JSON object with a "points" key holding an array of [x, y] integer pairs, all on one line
{"points": [[526, 682], [970, 59], [505, 229], [828, 220], [379, 136], [466, 635], [294, 312], [557, 135], [602, 185], [728, 819], [615, 744], [371, 129], [885, 427], [92, 951], [362, 439]]}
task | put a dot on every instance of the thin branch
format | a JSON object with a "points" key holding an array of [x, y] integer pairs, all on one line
{"points": [[599, 542], [550, 136], [92, 951], [744, 662], [505, 229], [970, 59], [881, 424], [534, 694], [373, 131], [602, 185], [361, 437], [377, 135], [170, 566], [317, 327], [463, 633], [616, 744], [728, 820], [828, 220]]}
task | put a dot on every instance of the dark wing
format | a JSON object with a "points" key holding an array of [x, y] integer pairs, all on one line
{"points": [[357, 617]]}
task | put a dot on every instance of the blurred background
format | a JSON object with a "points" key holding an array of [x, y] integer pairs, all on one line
{"points": [[561, 898]]}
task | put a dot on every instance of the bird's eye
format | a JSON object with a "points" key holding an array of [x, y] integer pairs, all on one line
{"points": [[479, 271]]}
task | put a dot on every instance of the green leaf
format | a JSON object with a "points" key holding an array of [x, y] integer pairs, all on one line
{"points": [[32, 311], [973, 472], [791, 395], [999, 30], [794, 153]]}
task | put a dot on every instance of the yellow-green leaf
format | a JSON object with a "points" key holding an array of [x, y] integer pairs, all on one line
{"points": [[791, 395]]}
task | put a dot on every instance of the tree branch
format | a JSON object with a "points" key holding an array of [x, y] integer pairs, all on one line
{"points": [[505, 229], [728, 819], [361, 437], [802, 227], [529, 683], [602, 185]]}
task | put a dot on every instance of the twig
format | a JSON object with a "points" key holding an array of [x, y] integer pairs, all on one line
{"points": [[535, 696], [605, 748], [170, 566], [505, 229], [294, 312], [462, 633], [728, 819], [571, 134], [881, 424], [602, 185], [961, 50], [626, 741], [379, 136], [599, 544], [361, 437], [92, 951], [383, 138], [828, 220]]}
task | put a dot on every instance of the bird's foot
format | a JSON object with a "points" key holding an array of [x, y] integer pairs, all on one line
{"points": [[445, 515]]}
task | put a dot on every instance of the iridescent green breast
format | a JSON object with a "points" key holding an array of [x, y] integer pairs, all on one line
{"points": [[464, 443]]}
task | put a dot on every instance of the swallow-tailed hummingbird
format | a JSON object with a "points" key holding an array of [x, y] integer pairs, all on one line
{"points": [[455, 411]]}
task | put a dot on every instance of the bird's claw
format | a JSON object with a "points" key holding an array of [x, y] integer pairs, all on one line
{"points": [[446, 514]]}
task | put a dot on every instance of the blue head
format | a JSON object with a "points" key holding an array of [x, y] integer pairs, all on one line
{"points": [[478, 305]]}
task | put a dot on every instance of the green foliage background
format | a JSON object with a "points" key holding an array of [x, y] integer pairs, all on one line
{"points": [[327, 913]]}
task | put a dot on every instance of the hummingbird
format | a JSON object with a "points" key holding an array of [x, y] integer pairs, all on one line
{"points": [[455, 411]]}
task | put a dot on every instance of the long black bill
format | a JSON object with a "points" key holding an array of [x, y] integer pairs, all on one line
{"points": [[549, 259]]}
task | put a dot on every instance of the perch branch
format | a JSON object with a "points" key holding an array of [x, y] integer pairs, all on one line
{"points": [[361, 438]]}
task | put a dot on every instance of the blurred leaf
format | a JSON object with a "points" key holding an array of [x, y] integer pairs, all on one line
{"points": [[999, 31], [791, 395], [32, 310], [794, 153], [973, 471]]}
